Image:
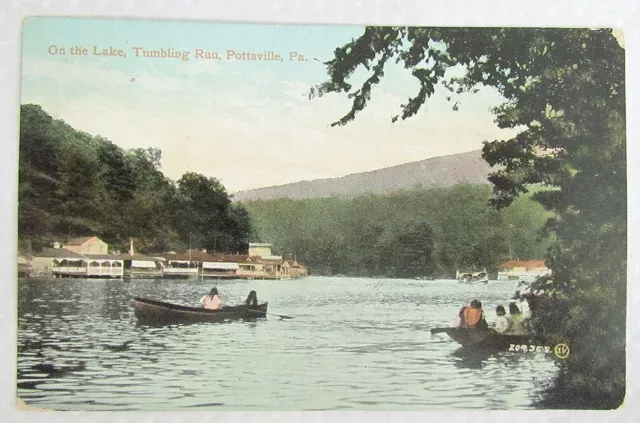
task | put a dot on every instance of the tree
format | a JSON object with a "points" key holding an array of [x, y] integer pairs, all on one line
{"points": [[115, 170], [72, 183], [81, 192], [148, 215], [564, 90], [38, 144], [38, 166], [239, 228], [406, 250], [346, 235], [204, 214]]}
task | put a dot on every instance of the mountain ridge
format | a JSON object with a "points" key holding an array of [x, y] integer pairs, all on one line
{"points": [[441, 171]]}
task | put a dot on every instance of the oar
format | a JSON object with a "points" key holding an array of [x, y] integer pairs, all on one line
{"points": [[270, 314], [439, 330]]}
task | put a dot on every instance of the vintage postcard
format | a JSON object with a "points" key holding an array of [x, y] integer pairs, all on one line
{"points": [[258, 217]]}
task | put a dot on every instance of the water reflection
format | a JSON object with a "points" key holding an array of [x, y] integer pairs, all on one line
{"points": [[80, 347], [466, 358]]}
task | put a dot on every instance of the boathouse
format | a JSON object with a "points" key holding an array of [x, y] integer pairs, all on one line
{"points": [[141, 266], [250, 268], [58, 262], [261, 264], [522, 270], [181, 266], [268, 267], [104, 266], [259, 249], [221, 266], [298, 269], [24, 267], [218, 270], [87, 245], [286, 270]]}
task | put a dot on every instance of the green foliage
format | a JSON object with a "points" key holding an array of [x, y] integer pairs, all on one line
{"points": [[416, 233], [406, 250], [73, 184], [564, 90], [204, 214]]}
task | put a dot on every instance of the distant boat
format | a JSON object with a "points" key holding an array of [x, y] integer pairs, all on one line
{"points": [[473, 277], [153, 311]]}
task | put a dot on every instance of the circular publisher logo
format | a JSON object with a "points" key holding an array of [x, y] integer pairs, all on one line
{"points": [[561, 350]]}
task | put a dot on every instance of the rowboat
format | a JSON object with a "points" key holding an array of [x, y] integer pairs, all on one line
{"points": [[478, 338], [153, 311]]}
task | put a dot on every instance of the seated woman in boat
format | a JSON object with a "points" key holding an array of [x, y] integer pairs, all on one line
{"points": [[472, 316], [252, 300], [503, 322], [482, 324], [517, 326], [212, 301]]}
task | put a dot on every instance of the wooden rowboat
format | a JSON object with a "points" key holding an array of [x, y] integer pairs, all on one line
{"points": [[489, 338], [153, 311]]}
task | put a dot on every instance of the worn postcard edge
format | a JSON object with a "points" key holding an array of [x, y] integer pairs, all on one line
{"points": [[170, 10]]}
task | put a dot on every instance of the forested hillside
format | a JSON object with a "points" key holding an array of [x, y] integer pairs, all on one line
{"points": [[444, 171], [74, 184], [413, 233]]}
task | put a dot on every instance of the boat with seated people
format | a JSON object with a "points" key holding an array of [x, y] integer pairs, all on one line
{"points": [[153, 311], [488, 338]]}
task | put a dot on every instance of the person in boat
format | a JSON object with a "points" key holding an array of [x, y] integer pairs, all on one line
{"points": [[503, 322], [212, 301], [252, 300], [483, 323], [517, 326], [538, 304], [472, 316]]}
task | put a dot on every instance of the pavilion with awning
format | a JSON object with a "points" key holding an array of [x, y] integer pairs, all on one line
{"points": [[217, 269]]}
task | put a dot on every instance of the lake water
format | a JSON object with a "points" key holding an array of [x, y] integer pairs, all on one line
{"points": [[354, 344]]}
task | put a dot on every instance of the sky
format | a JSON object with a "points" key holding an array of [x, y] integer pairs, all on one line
{"points": [[247, 123]]}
